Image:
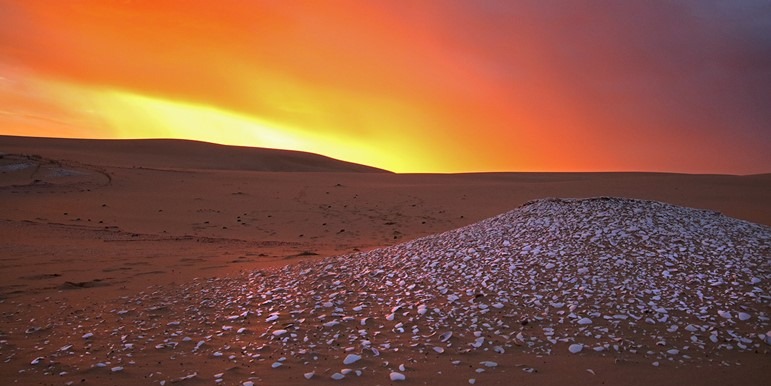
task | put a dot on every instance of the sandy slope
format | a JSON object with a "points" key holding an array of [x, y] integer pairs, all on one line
{"points": [[85, 227], [164, 153]]}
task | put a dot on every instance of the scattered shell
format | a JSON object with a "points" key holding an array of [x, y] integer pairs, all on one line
{"points": [[606, 287], [337, 376]]}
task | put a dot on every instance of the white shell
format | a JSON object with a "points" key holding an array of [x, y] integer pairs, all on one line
{"points": [[351, 358], [394, 376]]}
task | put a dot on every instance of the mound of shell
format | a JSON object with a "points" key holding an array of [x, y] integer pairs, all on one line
{"points": [[600, 276]]}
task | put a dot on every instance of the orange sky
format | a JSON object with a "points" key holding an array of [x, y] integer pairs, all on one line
{"points": [[410, 86]]}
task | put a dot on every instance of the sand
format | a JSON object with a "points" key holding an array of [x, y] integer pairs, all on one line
{"points": [[88, 224]]}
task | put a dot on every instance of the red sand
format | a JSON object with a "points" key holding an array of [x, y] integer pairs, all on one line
{"points": [[85, 224]]}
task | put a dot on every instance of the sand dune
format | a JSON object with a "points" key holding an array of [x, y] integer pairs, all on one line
{"points": [[177, 154], [163, 231]]}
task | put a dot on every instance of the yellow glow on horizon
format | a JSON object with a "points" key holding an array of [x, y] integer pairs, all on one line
{"points": [[137, 116], [120, 114]]}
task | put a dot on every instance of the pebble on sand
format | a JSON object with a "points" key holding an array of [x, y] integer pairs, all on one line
{"points": [[397, 376], [351, 358]]}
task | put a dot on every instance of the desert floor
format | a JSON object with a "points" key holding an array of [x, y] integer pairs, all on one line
{"points": [[81, 230]]}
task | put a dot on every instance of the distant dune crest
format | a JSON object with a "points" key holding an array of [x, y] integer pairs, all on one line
{"points": [[178, 154]]}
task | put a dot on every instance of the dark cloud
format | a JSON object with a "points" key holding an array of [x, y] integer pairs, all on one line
{"points": [[699, 68]]}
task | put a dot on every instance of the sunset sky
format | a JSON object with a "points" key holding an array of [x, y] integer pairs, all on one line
{"points": [[409, 86]]}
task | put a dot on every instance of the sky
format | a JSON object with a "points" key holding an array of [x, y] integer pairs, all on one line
{"points": [[409, 86]]}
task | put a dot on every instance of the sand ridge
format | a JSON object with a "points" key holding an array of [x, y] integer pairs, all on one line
{"points": [[179, 154]]}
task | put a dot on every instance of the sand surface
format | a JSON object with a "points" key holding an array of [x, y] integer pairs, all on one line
{"points": [[87, 225]]}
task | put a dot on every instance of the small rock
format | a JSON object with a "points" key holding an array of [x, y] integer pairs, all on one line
{"points": [[397, 376], [351, 358]]}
